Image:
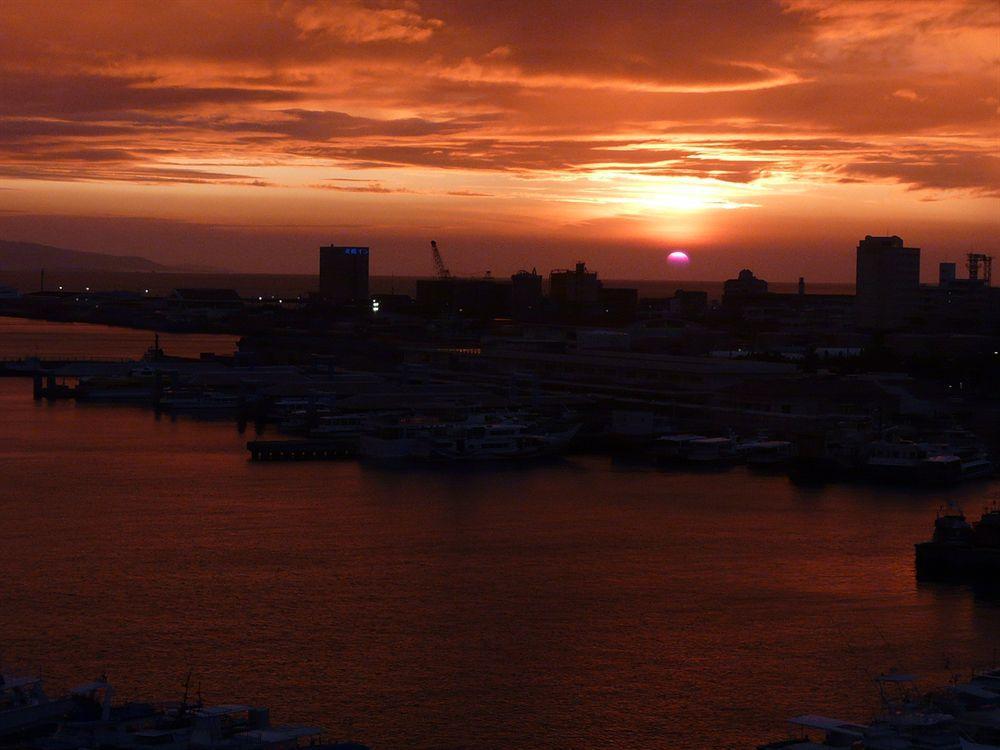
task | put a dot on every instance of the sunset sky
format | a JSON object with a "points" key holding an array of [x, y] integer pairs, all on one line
{"points": [[244, 134]]}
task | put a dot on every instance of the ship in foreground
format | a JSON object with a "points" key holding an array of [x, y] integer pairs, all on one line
{"points": [[962, 550]]}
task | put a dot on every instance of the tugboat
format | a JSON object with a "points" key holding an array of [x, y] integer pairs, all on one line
{"points": [[959, 549]]}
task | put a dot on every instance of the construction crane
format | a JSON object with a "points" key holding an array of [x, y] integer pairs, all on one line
{"points": [[439, 266], [977, 260]]}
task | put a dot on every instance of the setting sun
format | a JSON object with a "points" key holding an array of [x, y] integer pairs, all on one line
{"points": [[495, 129]]}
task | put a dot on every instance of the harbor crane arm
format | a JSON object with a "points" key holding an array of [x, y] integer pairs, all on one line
{"points": [[439, 266]]}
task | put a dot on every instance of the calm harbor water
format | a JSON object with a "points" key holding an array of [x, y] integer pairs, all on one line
{"points": [[570, 604], [23, 337]]}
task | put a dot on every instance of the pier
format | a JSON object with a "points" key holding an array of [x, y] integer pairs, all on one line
{"points": [[301, 450]]}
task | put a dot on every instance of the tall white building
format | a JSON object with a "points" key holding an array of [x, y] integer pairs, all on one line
{"points": [[888, 283]]}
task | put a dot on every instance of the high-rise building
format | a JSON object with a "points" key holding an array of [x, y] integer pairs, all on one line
{"points": [[888, 283], [343, 274], [576, 287]]}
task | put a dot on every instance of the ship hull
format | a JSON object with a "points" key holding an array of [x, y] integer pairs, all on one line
{"points": [[943, 560]]}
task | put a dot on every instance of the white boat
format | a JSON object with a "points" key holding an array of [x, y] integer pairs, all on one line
{"points": [[765, 453], [974, 458], [694, 449], [302, 420], [188, 727], [136, 387], [25, 706], [906, 729], [961, 717], [211, 401], [632, 427], [711, 450], [977, 467], [904, 461], [813, 731], [339, 426], [952, 456], [501, 439], [478, 437], [674, 447], [395, 440]]}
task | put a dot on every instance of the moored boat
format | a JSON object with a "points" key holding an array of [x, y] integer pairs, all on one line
{"points": [[496, 440], [206, 402], [676, 447], [766, 453], [477, 437], [905, 462], [712, 450], [694, 450]]}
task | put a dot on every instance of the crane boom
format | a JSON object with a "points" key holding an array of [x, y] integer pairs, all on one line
{"points": [[439, 266]]}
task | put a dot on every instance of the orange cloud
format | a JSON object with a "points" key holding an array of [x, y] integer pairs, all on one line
{"points": [[561, 119], [353, 22]]}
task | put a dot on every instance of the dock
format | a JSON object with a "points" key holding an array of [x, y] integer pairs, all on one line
{"points": [[301, 450]]}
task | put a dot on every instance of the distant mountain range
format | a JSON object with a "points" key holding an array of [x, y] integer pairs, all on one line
{"points": [[30, 256]]}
